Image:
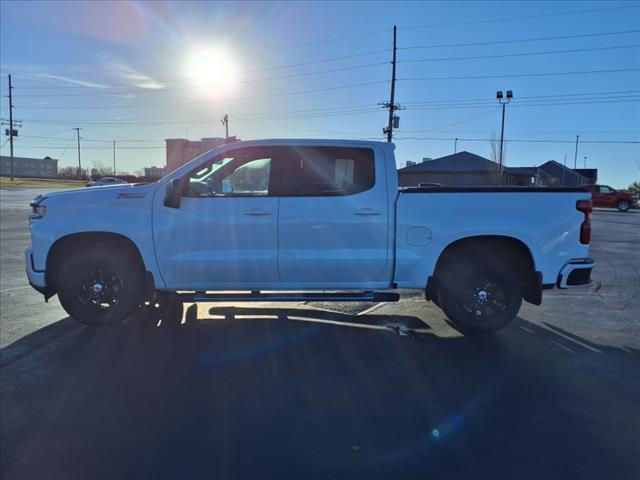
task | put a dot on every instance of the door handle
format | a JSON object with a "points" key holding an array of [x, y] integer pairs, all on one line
{"points": [[366, 212], [257, 212]]}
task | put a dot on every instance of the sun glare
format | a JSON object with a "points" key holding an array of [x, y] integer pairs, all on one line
{"points": [[212, 70]]}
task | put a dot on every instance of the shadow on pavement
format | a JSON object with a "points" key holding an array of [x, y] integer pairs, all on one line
{"points": [[295, 393]]}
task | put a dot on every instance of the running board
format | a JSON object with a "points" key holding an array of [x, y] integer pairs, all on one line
{"points": [[257, 296]]}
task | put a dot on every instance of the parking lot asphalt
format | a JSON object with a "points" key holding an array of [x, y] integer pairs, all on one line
{"points": [[296, 391]]}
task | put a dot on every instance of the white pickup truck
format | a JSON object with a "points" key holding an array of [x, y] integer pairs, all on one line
{"points": [[307, 219]]}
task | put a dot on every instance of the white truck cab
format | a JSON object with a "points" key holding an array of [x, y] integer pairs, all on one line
{"points": [[300, 218]]}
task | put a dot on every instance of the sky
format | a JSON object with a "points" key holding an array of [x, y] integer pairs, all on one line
{"points": [[140, 72]]}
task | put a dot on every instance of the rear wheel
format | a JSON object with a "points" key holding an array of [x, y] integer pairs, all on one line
{"points": [[623, 205], [100, 285], [479, 296]]}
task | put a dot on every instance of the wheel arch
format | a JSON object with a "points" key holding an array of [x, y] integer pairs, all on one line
{"points": [[500, 247], [80, 240]]}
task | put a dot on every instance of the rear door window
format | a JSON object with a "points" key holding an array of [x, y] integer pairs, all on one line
{"points": [[327, 171]]}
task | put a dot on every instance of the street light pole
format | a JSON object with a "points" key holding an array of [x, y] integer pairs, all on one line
{"points": [[114, 157], [503, 100]]}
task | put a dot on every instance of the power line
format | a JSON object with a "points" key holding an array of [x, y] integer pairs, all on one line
{"points": [[345, 108], [186, 79], [521, 54], [509, 19], [128, 88], [520, 140], [562, 95], [111, 93], [476, 117], [448, 139], [57, 147], [457, 77], [42, 137], [514, 75], [590, 101], [260, 52], [372, 110], [520, 40]]}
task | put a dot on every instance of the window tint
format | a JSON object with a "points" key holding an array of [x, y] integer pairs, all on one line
{"points": [[244, 172], [605, 190], [327, 171], [252, 178]]}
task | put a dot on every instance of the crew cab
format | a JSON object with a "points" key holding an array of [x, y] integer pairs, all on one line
{"points": [[605, 196], [307, 219]]}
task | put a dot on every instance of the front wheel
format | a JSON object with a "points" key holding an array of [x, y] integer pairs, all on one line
{"points": [[100, 285], [623, 205], [479, 296]]}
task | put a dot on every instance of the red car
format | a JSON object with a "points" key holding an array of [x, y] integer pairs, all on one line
{"points": [[605, 196]]}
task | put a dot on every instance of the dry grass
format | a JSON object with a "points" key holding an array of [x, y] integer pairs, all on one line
{"points": [[53, 183]]}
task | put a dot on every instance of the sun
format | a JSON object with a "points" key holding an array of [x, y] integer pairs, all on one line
{"points": [[212, 70]]}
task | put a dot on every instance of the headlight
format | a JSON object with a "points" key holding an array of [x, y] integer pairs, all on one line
{"points": [[38, 210]]}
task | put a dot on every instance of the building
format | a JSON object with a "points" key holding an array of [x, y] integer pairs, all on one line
{"points": [[524, 176], [180, 150], [468, 169], [460, 169], [591, 174], [154, 172], [29, 167], [555, 174]]}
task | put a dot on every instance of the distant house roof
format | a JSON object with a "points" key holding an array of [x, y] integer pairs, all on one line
{"points": [[552, 167], [21, 159], [522, 170], [590, 173], [460, 162]]}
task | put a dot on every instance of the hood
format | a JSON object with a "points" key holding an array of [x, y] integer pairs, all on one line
{"points": [[104, 193]]}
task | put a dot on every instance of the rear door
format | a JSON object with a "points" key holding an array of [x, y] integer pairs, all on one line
{"points": [[333, 219]]}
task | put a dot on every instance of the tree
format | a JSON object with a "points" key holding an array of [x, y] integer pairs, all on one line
{"points": [[634, 187], [99, 170], [72, 173], [494, 143]]}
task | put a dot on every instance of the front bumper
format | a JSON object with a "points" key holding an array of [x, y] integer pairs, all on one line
{"points": [[37, 278], [575, 272]]}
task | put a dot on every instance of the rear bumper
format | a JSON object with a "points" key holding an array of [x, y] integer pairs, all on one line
{"points": [[575, 272]]}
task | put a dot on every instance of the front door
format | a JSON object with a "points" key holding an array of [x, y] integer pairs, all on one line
{"points": [[606, 196], [224, 234], [333, 229]]}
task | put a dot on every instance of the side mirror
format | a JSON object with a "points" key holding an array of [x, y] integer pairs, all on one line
{"points": [[174, 193]]}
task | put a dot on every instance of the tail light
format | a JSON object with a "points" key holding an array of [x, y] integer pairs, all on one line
{"points": [[585, 206]]}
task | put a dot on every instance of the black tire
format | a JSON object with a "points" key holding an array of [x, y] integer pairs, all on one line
{"points": [[623, 206], [479, 295], [100, 285]]}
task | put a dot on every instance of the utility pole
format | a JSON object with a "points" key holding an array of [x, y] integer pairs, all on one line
{"points": [[79, 164], [455, 146], [392, 100], [11, 124], [114, 157], [585, 161], [575, 157], [503, 101], [394, 121], [225, 122]]}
